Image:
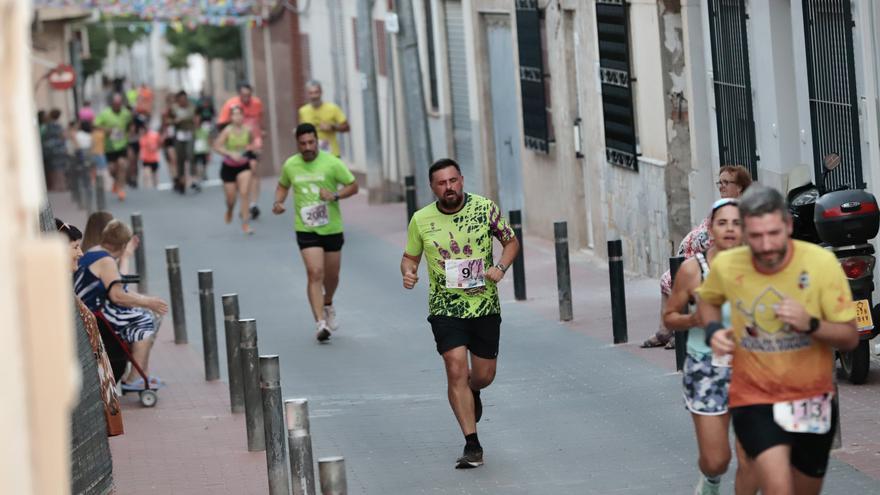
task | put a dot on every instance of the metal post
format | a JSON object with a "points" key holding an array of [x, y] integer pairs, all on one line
{"points": [[273, 415], [140, 258], [332, 473], [253, 409], [410, 186], [178, 315], [209, 325], [618, 293], [233, 352], [680, 337], [563, 271], [519, 264], [89, 191], [100, 192], [299, 442]]}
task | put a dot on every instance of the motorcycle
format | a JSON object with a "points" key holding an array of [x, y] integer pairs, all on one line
{"points": [[843, 220]]}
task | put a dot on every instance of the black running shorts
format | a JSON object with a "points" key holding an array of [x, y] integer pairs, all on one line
{"points": [[757, 431], [330, 243], [113, 156], [480, 335], [229, 174]]}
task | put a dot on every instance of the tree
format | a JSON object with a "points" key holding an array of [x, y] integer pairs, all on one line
{"points": [[102, 34], [211, 42]]}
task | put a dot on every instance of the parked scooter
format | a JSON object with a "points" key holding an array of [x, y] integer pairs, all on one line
{"points": [[843, 220]]}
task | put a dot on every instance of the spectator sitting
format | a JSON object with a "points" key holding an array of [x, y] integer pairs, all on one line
{"points": [[131, 315]]}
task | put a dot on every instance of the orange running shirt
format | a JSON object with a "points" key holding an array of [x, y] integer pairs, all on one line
{"points": [[151, 143], [773, 363]]}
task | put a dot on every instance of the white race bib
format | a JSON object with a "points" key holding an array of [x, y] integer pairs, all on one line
{"points": [[811, 415], [117, 134], [721, 361], [315, 215], [464, 274], [200, 146], [183, 135], [323, 145]]}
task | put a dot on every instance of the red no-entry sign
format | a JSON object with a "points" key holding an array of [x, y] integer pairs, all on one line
{"points": [[62, 77]]}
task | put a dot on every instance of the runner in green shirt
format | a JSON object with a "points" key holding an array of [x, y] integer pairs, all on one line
{"points": [[319, 181], [115, 121], [455, 234]]}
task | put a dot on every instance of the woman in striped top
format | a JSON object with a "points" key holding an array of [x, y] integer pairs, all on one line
{"points": [[99, 284]]}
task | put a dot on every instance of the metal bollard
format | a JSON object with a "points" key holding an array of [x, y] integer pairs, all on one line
{"points": [[233, 352], [209, 325], [250, 368], [410, 187], [140, 258], [681, 337], [519, 264], [178, 315], [332, 473], [72, 177], [299, 442], [273, 415], [563, 271], [100, 193], [89, 193], [618, 293]]}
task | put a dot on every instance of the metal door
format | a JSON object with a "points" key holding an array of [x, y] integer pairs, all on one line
{"points": [[505, 121], [462, 134]]}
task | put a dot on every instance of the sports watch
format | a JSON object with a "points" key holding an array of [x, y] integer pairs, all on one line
{"points": [[814, 325], [501, 267]]}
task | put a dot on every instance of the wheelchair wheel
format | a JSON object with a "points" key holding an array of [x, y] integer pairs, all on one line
{"points": [[149, 398]]}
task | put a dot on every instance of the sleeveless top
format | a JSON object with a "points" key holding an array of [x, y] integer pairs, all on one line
{"points": [[237, 142], [696, 343], [87, 285]]}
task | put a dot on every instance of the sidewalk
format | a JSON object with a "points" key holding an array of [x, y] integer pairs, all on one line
{"points": [[582, 415]]}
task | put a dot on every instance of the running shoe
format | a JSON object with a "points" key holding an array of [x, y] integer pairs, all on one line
{"points": [[330, 317], [471, 458], [255, 211], [196, 187], [706, 487], [323, 334], [478, 406]]}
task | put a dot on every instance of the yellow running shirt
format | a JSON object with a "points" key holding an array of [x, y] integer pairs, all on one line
{"points": [[327, 113], [773, 363]]}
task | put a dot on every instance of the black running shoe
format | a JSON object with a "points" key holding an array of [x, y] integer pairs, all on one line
{"points": [[478, 405], [471, 458], [255, 212]]}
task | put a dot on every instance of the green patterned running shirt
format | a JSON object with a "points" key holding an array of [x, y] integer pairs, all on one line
{"points": [[449, 237]]}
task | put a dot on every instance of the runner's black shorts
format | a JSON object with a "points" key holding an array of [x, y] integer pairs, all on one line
{"points": [[480, 334], [228, 173], [112, 156], [152, 166], [330, 243], [757, 431]]}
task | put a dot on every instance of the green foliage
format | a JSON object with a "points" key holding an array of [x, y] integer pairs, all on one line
{"points": [[100, 36], [211, 42]]}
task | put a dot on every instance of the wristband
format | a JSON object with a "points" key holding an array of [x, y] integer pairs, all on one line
{"points": [[711, 328]]}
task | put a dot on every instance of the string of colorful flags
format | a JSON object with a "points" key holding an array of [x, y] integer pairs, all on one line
{"points": [[176, 14]]}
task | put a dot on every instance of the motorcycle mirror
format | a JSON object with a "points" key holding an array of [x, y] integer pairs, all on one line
{"points": [[832, 160]]}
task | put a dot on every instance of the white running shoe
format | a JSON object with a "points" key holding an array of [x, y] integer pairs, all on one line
{"points": [[323, 334], [706, 487], [330, 317]]}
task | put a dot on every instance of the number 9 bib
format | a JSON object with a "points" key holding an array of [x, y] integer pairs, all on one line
{"points": [[464, 274]]}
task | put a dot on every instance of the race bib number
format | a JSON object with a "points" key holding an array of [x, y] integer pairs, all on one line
{"points": [[722, 361], [464, 274], [183, 135], [315, 215], [811, 415], [117, 134], [324, 145], [200, 146]]}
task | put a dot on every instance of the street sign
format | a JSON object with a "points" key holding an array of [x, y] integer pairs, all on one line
{"points": [[62, 77], [391, 25]]}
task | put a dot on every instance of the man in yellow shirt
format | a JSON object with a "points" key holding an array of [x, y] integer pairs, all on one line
{"points": [[790, 306], [327, 117]]}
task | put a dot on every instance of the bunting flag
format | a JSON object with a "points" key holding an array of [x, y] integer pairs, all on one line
{"points": [[178, 14]]}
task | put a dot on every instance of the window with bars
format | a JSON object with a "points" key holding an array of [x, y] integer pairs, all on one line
{"points": [[618, 109], [828, 33], [732, 84], [531, 76]]}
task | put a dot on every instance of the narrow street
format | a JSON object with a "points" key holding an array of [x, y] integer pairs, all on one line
{"points": [[568, 413]]}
